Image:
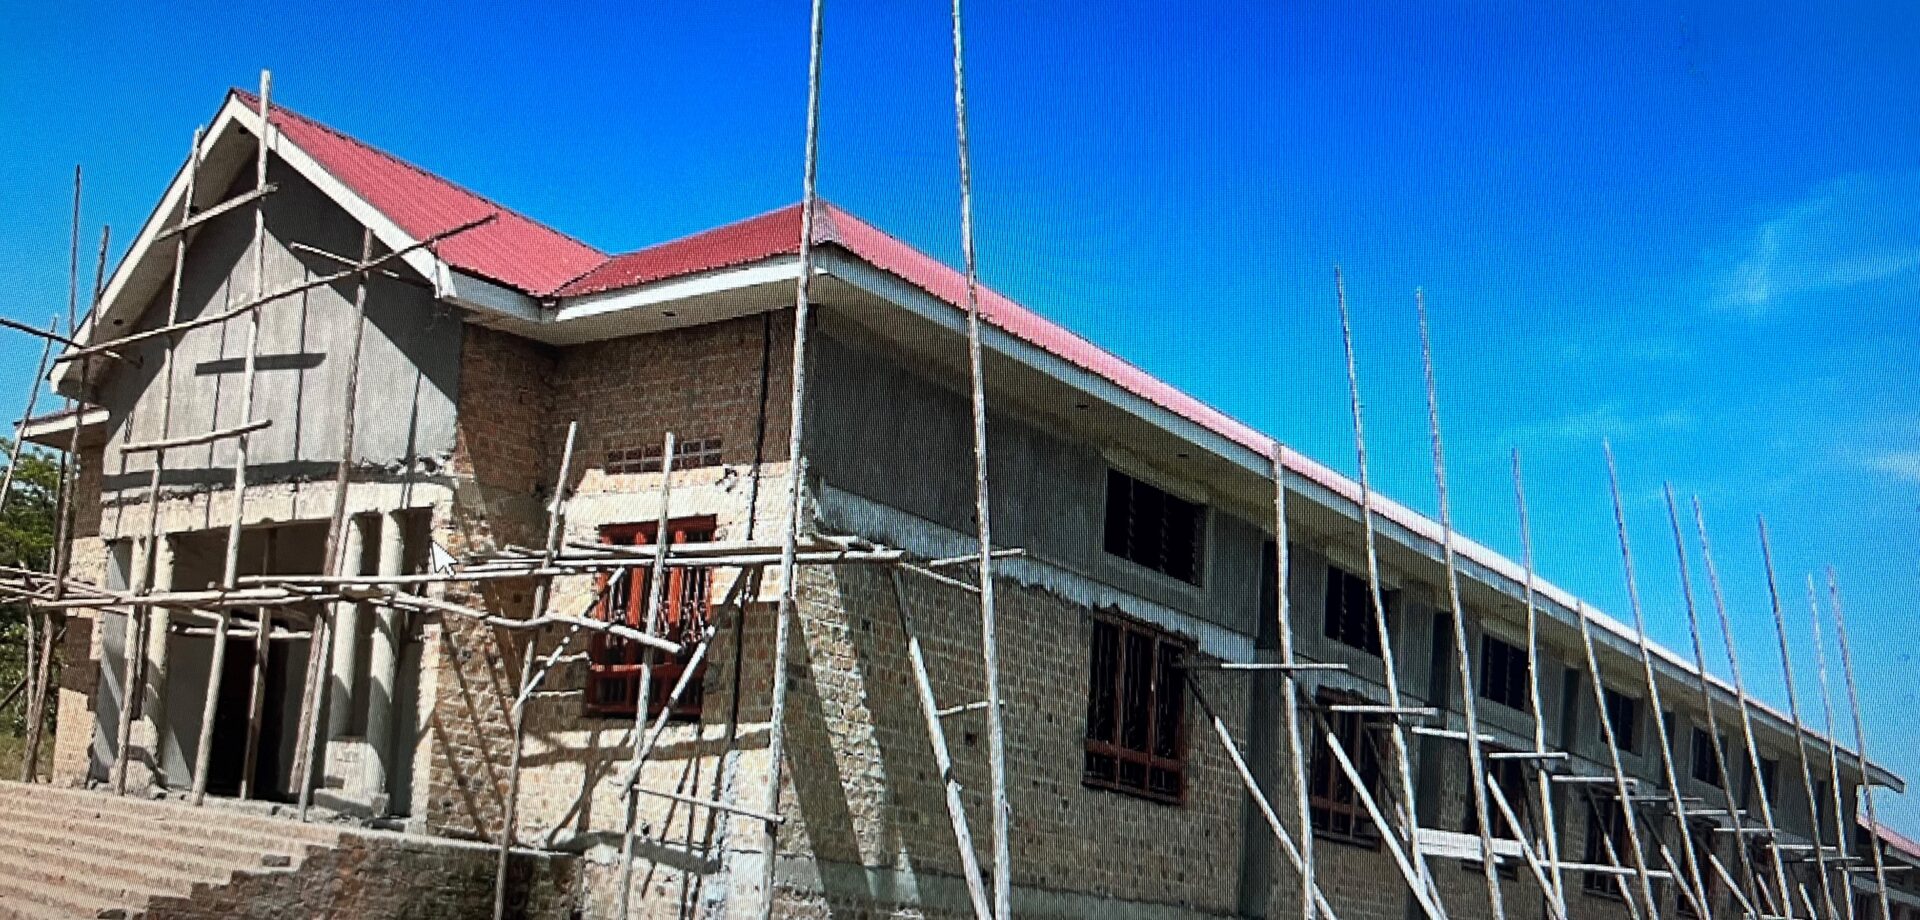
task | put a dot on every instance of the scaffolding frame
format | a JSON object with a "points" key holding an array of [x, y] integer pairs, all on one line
{"points": [[283, 605]]}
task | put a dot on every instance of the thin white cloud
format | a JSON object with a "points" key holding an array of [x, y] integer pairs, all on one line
{"points": [[1903, 464], [1608, 420], [1857, 230]]}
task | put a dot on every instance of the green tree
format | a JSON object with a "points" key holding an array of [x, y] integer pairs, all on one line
{"points": [[26, 541]]}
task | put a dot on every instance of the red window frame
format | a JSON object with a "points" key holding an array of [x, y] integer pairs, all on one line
{"points": [[613, 663], [1136, 739]]}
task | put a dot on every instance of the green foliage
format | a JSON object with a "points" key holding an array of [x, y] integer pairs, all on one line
{"points": [[26, 541]]}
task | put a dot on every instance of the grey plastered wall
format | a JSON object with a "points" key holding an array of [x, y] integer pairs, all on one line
{"points": [[884, 432], [409, 368]]}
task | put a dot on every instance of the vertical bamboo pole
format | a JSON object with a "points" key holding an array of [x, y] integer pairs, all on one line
{"points": [[542, 596], [989, 641], [1403, 761], [1734, 813], [1698, 891], [1476, 766], [320, 652], [1793, 709], [1289, 691], [643, 693], [1769, 828], [150, 559], [1833, 770], [231, 575], [1623, 792], [942, 760], [796, 417], [63, 505], [1860, 745], [1550, 829], [257, 694]]}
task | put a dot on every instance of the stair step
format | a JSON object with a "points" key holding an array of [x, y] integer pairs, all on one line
{"points": [[134, 844], [39, 799], [111, 875], [27, 878], [184, 863], [20, 902], [159, 833]]}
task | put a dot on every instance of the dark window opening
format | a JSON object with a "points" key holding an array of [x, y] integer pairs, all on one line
{"points": [[614, 663], [1623, 713], [1150, 527], [1606, 823], [1333, 803], [1136, 711], [1503, 673], [1706, 767], [1349, 613]]}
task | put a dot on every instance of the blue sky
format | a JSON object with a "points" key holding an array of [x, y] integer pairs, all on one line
{"points": [[1693, 229]]}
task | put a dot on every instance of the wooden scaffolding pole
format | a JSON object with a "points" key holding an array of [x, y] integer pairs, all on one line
{"points": [[1860, 747], [320, 650], [26, 415], [1833, 770], [1549, 828], [148, 563], [796, 418], [942, 760], [1622, 790], [1697, 892], [1309, 885], [1418, 883], [542, 597], [1735, 813], [1793, 711], [643, 693], [989, 641], [1403, 759], [1477, 767], [62, 559], [1768, 827], [1289, 695]]}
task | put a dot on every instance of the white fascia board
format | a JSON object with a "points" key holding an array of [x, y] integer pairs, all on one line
{"points": [[768, 271], [477, 293]]}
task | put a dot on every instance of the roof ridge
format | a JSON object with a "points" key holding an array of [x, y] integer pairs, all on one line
{"points": [[252, 101]]}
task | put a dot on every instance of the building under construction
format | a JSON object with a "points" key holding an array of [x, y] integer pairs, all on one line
{"points": [[425, 561]]}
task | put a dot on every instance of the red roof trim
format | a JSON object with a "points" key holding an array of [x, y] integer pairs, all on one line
{"points": [[514, 249]]}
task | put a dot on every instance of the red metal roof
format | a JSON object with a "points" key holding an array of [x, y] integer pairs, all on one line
{"points": [[513, 250], [778, 233]]}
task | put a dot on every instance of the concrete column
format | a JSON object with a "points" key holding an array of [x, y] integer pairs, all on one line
{"points": [[346, 638], [383, 660], [158, 619]]}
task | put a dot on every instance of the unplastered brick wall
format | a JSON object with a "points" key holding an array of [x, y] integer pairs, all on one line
{"points": [[516, 401], [80, 651], [864, 791], [701, 383]]}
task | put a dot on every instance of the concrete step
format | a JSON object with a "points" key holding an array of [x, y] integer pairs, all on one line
{"points": [[175, 835], [230, 816], [21, 903], [71, 853], [73, 893], [144, 846]]}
